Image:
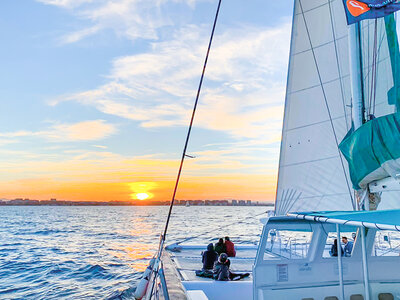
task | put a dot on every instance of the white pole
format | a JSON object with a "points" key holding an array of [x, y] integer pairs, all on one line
{"points": [[339, 256], [356, 75], [365, 263]]}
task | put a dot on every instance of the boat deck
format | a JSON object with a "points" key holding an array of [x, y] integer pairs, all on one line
{"points": [[186, 259]]}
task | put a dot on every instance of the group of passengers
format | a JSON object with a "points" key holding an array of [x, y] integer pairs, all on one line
{"points": [[215, 259], [345, 250]]}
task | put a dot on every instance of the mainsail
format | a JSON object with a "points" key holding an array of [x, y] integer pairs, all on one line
{"points": [[313, 175], [317, 115]]}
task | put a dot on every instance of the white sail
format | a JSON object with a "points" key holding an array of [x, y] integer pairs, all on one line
{"points": [[317, 116]]}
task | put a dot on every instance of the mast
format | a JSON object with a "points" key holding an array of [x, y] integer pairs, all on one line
{"points": [[357, 97]]}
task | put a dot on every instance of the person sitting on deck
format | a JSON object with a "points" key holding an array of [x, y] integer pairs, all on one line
{"points": [[230, 247], [333, 251], [220, 247], [348, 246], [209, 257], [221, 268]]}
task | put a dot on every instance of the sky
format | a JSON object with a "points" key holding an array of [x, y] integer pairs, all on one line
{"points": [[96, 98]]}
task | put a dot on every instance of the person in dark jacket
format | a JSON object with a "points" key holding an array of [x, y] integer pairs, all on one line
{"points": [[209, 257], [221, 268], [334, 251], [220, 247], [230, 247]]}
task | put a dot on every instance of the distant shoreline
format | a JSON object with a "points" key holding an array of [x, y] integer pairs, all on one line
{"points": [[54, 202]]}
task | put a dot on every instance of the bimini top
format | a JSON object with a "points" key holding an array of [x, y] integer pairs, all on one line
{"points": [[380, 219]]}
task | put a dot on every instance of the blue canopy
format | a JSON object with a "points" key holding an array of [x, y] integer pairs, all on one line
{"points": [[379, 219]]}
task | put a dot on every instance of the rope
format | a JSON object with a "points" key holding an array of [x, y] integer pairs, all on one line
{"points": [[326, 103]]}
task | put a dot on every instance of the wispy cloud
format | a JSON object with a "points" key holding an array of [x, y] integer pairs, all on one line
{"points": [[65, 3], [79, 35], [82, 131], [243, 92], [130, 19]]}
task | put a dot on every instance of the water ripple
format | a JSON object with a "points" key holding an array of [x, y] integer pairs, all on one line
{"points": [[98, 252]]}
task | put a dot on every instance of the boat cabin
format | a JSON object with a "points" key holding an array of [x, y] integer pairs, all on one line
{"points": [[296, 258]]}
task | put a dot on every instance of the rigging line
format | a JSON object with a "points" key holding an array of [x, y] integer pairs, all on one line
{"points": [[373, 100], [285, 201], [191, 123], [338, 65], [368, 64], [327, 105], [293, 202], [278, 206], [373, 69], [162, 240], [218, 228], [289, 198]]}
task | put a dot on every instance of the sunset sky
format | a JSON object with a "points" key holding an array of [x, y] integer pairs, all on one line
{"points": [[96, 96]]}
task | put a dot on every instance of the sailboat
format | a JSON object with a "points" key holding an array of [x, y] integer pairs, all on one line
{"points": [[339, 171]]}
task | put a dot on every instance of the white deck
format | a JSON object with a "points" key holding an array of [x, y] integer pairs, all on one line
{"points": [[188, 260]]}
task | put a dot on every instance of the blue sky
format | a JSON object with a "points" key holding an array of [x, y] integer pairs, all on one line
{"points": [[101, 91]]}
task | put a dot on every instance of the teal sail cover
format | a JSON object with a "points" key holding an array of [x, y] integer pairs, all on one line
{"points": [[373, 150]]}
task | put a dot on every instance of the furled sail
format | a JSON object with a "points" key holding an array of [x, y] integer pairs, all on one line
{"points": [[372, 151], [312, 174]]}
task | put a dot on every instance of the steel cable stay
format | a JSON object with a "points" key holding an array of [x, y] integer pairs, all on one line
{"points": [[219, 228], [163, 235]]}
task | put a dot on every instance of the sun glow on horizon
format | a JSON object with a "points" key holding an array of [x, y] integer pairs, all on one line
{"points": [[142, 196]]}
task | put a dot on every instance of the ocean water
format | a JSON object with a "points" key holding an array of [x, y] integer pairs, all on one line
{"points": [[86, 252]]}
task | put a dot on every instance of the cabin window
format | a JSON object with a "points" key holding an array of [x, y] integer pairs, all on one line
{"points": [[287, 244], [347, 240], [385, 296], [387, 243], [331, 298], [357, 297]]}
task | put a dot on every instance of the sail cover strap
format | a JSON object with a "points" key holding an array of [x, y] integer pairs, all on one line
{"points": [[369, 9]]}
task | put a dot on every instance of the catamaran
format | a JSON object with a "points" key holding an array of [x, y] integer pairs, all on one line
{"points": [[339, 171]]}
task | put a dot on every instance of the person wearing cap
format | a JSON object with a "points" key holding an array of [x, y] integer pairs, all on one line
{"points": [[221, 268]]}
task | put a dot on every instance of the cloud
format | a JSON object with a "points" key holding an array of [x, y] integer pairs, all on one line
{"points": [[130, 19], [100, 146], [79, 35], [65, 3], [82, 131], [242, 94]]}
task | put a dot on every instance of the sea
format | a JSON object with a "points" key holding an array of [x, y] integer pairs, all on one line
{"points": [[100, 252]]}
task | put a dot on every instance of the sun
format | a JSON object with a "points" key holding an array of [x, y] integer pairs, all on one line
{"points": [[142, 196]]}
